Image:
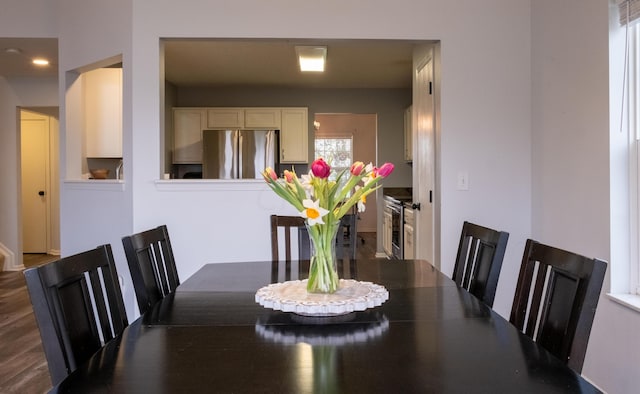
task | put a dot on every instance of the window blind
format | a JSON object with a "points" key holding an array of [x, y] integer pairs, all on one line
{"points": [[629, 11]]}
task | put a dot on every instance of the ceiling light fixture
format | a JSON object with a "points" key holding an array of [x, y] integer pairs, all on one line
{"points": [[311, 58], [40, 62]]}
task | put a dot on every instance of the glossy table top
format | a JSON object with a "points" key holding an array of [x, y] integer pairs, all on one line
{"points": [[429, 337]]}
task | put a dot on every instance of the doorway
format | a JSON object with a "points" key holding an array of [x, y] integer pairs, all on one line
{"points": [[361, 129], [39, 180]]}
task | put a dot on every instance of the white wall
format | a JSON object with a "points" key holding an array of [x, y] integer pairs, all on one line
{"points": [[91, 215], [485, 125]]}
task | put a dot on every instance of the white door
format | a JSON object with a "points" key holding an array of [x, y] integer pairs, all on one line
{"points": [[34, 149], [424, 159]]}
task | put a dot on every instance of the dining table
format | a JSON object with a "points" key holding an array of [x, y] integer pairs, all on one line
{"points": [[429, 336]]}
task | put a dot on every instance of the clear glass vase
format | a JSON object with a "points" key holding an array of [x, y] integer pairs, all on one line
{"points": [[323, 267]]}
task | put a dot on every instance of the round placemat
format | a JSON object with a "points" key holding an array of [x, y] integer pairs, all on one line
{"points": [[292, 296]]}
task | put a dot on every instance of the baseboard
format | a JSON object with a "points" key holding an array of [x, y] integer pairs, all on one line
{"points": [[54, 252], [9, 260]]}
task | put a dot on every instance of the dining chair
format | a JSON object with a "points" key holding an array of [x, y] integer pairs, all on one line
{"points": [[78, 306], [347, 236], [288, 225], [479, 260], [556, 298], [151, 264]]}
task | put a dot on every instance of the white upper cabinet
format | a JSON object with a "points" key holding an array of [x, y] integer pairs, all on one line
{"points": [[262, 118], [294, 136], [188, 124], [225, 118], [103, 112]]}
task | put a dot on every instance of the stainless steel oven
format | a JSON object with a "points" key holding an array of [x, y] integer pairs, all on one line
{"points": [[395, 207]]}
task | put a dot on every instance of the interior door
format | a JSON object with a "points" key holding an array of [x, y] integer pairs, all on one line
{"points": [[424, 159], [34, 150]]}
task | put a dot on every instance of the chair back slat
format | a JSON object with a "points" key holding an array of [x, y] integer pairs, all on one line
{"points": [[76, 316], [479, 260], [558, 307]]}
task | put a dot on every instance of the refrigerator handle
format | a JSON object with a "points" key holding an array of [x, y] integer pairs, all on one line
{"points": [[240, 161]]}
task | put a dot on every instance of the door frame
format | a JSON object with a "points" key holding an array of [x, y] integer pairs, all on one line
{"points": [[52, 181]]}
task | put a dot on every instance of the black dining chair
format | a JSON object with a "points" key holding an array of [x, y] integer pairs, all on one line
{"points": [[556, 298], [289, 224], [347, 236], [152, 265], [78, 306], [479, 260]]}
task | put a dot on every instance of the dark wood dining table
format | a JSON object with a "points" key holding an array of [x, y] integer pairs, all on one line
{"points": [[429, 337]]}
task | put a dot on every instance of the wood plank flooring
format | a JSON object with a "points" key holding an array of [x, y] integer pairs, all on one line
{"points": [[23, 367]]}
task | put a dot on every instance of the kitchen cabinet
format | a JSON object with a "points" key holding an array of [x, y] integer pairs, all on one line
{"points": [[294, 136], [387, 232], [262, 118], [408, 238], [188, 124], [408, 135], [102, 90], [225, 118]]}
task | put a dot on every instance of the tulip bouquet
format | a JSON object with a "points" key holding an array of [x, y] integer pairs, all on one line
{"points": [[322, 202]]}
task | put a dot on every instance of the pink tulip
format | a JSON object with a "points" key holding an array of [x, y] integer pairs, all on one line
{"points": [[357, 167], [320, 168], [385, 170], [289, 176], [270, 173]]}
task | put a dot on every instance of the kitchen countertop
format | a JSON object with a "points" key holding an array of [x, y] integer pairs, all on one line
{"points": [[399, 194]]}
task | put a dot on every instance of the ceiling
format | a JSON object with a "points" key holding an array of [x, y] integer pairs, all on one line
{"points": [[239, 62], [19, 64]]}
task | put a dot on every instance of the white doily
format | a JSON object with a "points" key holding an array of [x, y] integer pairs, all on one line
{"points": [[292, 296]]}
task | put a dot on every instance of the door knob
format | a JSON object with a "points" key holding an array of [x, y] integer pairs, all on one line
{"points": [[41, 193], [416, 206]]}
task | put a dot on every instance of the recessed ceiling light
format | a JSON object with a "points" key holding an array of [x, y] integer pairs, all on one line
{"points": [[40, 62], [15, 51], [311, 58]]}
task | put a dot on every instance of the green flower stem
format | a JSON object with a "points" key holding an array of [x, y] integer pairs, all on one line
{"points": [[323, 276]]}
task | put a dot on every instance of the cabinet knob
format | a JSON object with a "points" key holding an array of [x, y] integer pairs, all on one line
{"points": [[416, 206], [41, 193]]}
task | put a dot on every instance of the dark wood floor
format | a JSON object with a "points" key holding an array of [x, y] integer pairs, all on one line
{"points": [[23, 367]]}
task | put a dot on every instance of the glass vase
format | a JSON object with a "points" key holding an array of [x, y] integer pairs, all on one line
{"points": [[323, 267]]}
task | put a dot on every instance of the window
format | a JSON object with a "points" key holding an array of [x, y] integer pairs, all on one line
{"points": [[632, 124], [625, 164], [337, 151]]}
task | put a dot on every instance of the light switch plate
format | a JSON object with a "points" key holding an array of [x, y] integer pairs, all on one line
{"points": [[463, 180]]}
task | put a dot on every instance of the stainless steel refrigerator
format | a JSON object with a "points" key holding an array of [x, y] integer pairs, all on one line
{"points": [[238, 154]]}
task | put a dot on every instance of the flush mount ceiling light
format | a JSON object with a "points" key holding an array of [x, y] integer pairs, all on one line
{"points": [[311, 58], [40, 62]]}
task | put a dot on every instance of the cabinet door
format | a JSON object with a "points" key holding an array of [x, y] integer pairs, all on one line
{"points": [[408, 237], [225, 118], [294, 136], [408, 251], [408, 136], [103, 112], [262, 118], [187, 135]]}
